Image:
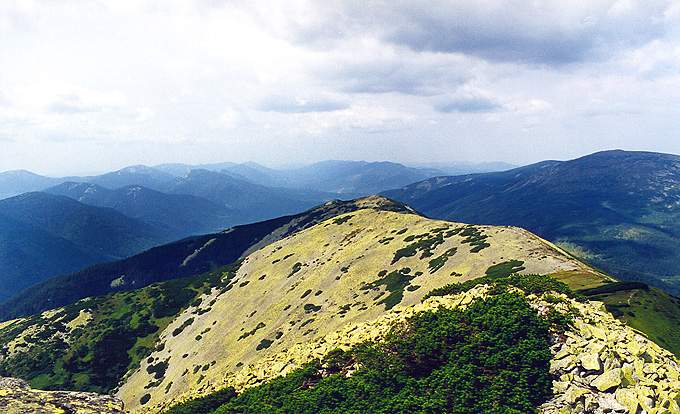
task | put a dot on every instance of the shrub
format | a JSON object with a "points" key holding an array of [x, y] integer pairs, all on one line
{"points": [[492, 357], [531, 284], [203, 405]]}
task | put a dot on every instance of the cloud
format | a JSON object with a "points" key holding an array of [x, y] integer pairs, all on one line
{"points": [[72, 104], [469, 100], [416, 78], [363, 118], [229, 119], [548, 32], [655, 59], [380, 70], [68, 100], [296, 104]]}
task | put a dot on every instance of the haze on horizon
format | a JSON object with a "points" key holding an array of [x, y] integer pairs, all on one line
{"points": [[90, 86]]}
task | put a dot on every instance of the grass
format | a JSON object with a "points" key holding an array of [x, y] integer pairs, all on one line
{"points": [[579, 279], [122, 330]]}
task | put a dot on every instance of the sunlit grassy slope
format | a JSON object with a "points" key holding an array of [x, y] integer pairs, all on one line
{"points": [[348, 269]]}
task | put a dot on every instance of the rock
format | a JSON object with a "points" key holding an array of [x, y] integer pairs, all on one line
{"points": [[16, 397], [608, 403], [598, 332], [628, 378], [608, 380], [574, 393], [590, 361], [628, 398]]}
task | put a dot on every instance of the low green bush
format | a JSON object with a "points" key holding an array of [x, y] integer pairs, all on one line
{"points": [[492, 357], [531, 284], [204, 405]]}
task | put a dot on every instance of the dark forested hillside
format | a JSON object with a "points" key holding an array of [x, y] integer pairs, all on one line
{"points": [[43, 235]]}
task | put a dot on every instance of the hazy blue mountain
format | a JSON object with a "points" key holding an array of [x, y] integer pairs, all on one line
{"points": [[260, 174], [180, 214], [463, 168], [179, 169], [42, 235], [355, 177], [185, 257], [253, 202], [20, 181], [344, 178], [619, 210], [134, 175], [99, 230]]}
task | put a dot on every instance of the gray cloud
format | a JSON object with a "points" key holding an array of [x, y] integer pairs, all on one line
{"points": [[549, 32], [410, 75], [468, 104], [290, 104]]}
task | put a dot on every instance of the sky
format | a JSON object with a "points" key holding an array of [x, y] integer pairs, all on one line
{"points": [[94, 85]]}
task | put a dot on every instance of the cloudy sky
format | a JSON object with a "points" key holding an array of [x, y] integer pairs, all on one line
{"points": [[93, 85]]}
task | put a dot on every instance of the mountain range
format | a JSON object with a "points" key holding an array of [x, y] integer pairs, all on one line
{"points": [[155, 205], [176, 213], [349, 178]]}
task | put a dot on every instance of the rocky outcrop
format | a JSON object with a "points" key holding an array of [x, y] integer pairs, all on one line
{"points": [[603, 366], [600, 365], [17, 397]]}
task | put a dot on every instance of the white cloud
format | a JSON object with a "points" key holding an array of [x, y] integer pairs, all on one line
{"points": [[310, 76], [302, 104], [229, 119]]}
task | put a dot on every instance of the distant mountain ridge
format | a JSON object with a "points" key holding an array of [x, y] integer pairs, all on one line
{"points": [[21, 181], [42, 235], [351, 178], [181, 214], [620, 210]]}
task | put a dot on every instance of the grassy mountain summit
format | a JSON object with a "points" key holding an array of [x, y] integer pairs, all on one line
{"points": [[618, 210], [348, 269]]}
